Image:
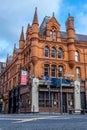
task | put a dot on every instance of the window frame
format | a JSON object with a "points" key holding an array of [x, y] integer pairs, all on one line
{"points": [[53, 70], [60, 56], [78, 73], [77, 57], [46, 69], [53, 52], [53, 34], [60, 70], [46, 51]]}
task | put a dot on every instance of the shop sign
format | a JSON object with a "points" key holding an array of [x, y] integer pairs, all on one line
{"points": [[57, 82]]}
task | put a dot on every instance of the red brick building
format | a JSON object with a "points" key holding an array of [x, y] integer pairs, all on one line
{"points": [[46, 51]]}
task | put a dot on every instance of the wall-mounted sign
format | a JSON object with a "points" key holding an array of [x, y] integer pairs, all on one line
{"points": [[57, 82], [23, 77]]}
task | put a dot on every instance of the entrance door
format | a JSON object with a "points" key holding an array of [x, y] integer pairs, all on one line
{"points": [[83, 100], [64, 103]]}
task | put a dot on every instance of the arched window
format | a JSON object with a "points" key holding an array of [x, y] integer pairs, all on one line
{"points": [[54, 36], [53, 71], [77, 56], [46, 69], [60, 71], [78, 73], [46, 52], [60, 53], [53, 52], [51, 34]]}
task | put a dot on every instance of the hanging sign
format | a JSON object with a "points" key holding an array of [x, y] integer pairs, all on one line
{"points": [[23, 77]]}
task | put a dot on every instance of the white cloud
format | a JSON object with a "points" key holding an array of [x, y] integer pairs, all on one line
{"points": [[81, 20], [85, 6], [18, 13]]}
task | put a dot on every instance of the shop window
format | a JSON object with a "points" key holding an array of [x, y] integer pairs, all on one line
{"points": [[55, 99], [41, 99], [47, 99], [70, 100]]}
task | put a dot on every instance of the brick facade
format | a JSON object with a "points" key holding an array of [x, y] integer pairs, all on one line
{"points": [[46, 45]]}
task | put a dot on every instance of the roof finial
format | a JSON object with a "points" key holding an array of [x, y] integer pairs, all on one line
{"points": [[35, 19], [53, 14], [14, 45], [22, 35], [68, 14]]}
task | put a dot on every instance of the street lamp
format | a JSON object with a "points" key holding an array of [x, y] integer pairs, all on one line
{"points": [[61, 95]]}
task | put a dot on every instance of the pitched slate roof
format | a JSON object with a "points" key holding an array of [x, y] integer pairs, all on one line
{"points": [[81, 37], [42, 31]]}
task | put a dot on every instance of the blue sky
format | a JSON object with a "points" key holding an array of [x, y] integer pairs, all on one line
{"points": [[18, 13]]}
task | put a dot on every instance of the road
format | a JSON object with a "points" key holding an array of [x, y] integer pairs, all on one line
{"points": [[42, 122]]}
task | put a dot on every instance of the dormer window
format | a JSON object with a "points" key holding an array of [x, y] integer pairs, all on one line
{"points": [[51, 35], [54, 36]]}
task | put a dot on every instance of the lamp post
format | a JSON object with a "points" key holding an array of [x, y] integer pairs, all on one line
{"points": [[61, 95], [48, 86], [19, 83]]}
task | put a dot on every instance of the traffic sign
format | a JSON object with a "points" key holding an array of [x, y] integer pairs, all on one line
{"points": [[47, 77]]}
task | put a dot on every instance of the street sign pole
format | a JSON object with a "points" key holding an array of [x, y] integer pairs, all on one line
{"points": [[48, 86], [61, 94]]}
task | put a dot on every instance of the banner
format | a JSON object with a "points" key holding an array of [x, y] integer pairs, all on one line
{"points": [[23, 77]]}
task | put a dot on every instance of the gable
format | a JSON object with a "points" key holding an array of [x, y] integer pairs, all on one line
{"points": [[53, 23]]}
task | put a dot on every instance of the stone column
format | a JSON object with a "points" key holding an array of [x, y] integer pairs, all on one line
{"points": [[77, 99], [35, 104]]}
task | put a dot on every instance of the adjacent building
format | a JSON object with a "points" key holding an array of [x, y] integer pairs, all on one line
{"points": [[55, 63]]}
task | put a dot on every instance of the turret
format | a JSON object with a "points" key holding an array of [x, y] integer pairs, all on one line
{"points": [[21, 41], [21, 46], [28, 32], [34, 43], [70, 35], [35, 25], [14, 51], [70, 28]]}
